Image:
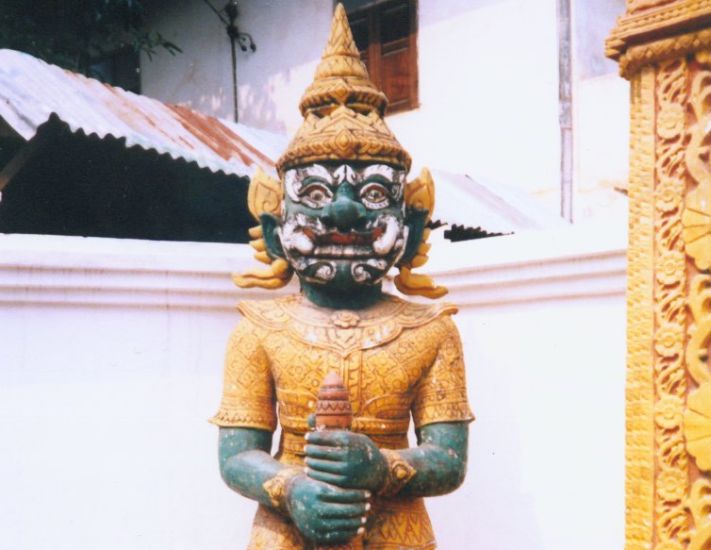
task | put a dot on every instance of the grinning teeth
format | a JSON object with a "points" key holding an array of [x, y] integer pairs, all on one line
{"points": [[336, 251]]}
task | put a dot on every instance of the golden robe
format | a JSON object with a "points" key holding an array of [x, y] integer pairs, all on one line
{"points": [[397, 359]]}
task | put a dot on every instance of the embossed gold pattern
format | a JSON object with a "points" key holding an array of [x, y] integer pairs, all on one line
{"points": [[399, 473], [276, 487], [653, 30], [398, 359], [640, 410]]}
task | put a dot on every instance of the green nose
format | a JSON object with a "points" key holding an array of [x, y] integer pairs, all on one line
{"points": [[344, 212]]}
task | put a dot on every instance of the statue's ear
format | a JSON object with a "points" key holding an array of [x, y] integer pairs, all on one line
{"points": [[269, 224], [415, 219]]}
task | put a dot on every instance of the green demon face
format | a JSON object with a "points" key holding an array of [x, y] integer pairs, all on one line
{"points": [[342, 225]]}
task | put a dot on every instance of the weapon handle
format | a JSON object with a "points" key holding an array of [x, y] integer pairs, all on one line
{"points": [[334, 412]]}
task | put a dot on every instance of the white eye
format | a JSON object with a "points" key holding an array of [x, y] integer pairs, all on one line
{"points": [[374, 196], [316, 195]]}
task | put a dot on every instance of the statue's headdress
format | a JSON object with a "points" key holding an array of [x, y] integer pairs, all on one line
{"points": [[343, 121]]}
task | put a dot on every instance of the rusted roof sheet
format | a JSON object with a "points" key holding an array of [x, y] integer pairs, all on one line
{"points": [[32, 90]]}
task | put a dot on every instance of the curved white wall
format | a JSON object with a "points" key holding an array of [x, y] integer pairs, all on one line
{"points": [[111, 355]]}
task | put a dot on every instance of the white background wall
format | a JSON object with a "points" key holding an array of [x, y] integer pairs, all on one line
{"points": [[111, 359]]}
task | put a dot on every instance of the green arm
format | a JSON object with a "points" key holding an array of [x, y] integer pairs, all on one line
{"points": [[245, 462], [440, 459]]}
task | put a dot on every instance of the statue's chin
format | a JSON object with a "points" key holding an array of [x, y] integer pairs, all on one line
{"points": [[343, 273]]}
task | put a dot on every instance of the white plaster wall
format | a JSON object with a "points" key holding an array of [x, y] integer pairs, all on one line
{"points": [[488, 91], [601, 114], [111, 355]]}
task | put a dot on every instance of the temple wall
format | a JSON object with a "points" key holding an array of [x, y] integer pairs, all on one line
{"points": [[111, 355], [488, 86]]}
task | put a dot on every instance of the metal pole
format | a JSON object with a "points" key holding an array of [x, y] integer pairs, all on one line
{"points": [[565, 108], [234, 77]]}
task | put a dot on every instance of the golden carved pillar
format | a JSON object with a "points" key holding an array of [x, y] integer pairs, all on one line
{"points": [[664, 49]]}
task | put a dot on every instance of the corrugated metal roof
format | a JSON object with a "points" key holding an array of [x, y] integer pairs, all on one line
{"points": [[32, 90]]}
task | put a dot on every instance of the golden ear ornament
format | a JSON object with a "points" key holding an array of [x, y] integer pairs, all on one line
{"points": [[264, 196], [419, 193]]}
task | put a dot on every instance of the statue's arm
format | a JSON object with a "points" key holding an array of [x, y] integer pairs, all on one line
{"points": [[245, 462], [439, 460]]}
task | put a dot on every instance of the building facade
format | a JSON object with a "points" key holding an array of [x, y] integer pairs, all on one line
{"points": [[488, 98]]}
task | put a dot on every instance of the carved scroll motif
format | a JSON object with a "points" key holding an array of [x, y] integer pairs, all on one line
{"points": [[696, 222], [672, 483]]}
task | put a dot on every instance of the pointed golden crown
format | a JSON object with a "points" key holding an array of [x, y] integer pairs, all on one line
{"points": [[343, 110]]}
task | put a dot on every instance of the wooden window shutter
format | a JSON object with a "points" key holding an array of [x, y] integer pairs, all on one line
{"points": [[386, 36]]}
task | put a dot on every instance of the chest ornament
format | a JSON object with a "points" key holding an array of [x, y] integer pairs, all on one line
{"points": [[342, 331]]}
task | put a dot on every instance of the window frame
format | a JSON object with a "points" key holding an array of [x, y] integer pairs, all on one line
{"points": [[374, 54]]}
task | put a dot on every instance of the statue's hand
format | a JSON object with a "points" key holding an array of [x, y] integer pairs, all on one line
{"points": [[326, 514], [346, 459]]}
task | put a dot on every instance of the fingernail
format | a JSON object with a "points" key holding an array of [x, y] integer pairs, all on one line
{"points": [[367, 494], [306, 471], [367, 506], [361, 530], [363, 520], [306, 437], [304, 448]]}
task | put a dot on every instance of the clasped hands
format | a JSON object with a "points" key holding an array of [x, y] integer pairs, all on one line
{"points": [[329, 503]]}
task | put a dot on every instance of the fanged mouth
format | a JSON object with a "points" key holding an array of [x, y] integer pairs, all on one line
{"points": [[335, 244], [353, 238], [309, 238]]}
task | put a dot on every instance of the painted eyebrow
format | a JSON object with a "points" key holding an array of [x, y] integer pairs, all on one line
{"points": [[317, 170], [382, 170]]}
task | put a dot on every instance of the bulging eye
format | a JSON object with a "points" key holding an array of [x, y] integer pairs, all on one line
{"points": [[316, 195], [374, 196]]}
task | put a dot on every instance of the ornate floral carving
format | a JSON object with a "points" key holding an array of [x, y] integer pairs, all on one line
{"points": [[660, 46], [697, 426], [697, 226], [697, 418], [670, 313], [700, 507]]}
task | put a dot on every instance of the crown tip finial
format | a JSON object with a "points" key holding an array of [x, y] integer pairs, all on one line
{"points": [[340, 41]]}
